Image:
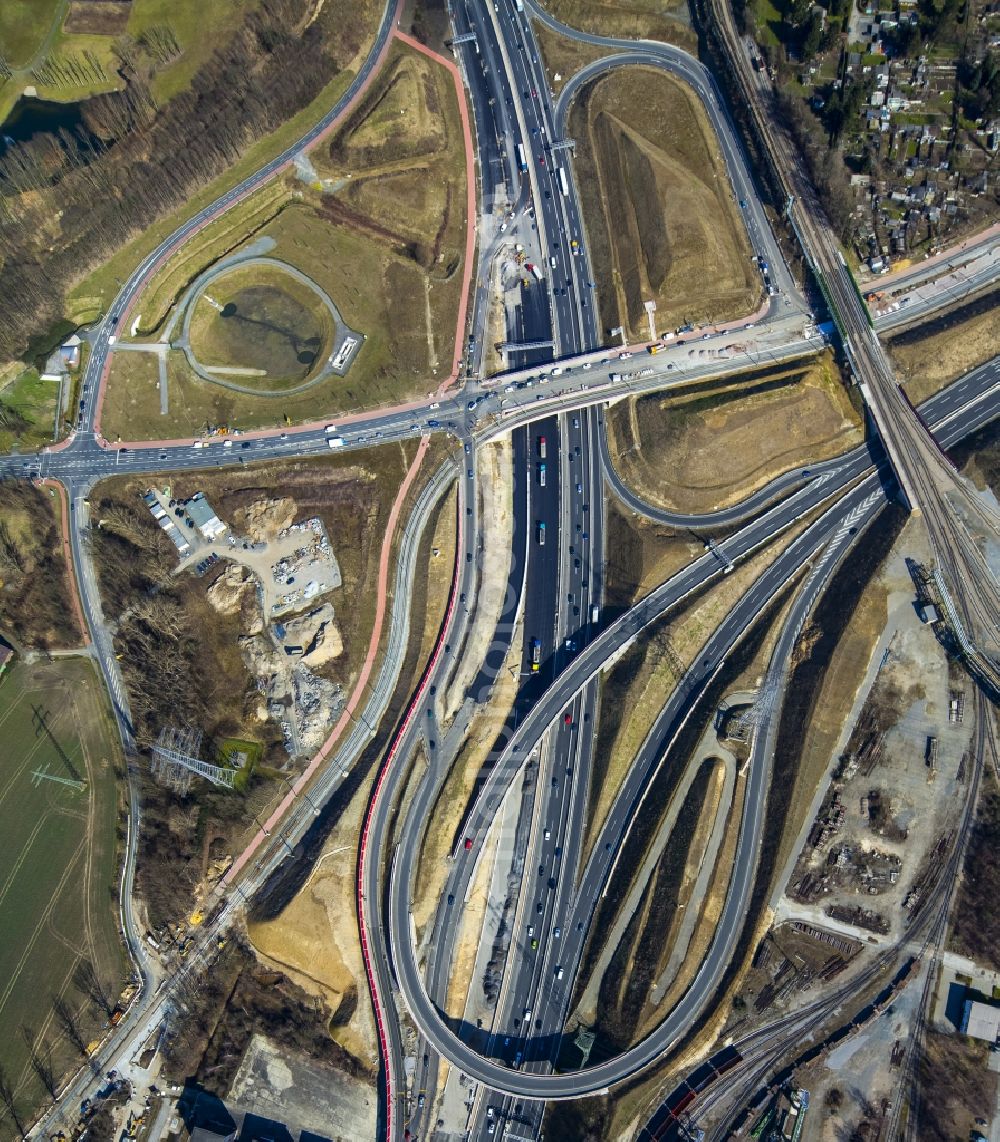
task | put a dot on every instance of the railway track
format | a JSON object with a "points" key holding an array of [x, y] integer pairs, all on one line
{"points": [[756, 1063]]}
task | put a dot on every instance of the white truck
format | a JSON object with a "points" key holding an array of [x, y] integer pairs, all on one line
{"points": [[336, 442]]}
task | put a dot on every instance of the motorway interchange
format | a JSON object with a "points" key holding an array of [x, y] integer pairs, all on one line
{"points": [[555, 598]]}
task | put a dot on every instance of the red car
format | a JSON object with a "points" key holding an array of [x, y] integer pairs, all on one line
{"points": [[468, 843], [567, 719]]}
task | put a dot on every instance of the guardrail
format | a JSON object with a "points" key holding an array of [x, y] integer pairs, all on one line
{"points": [[373, 805]]}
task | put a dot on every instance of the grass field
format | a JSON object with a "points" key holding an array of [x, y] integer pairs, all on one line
{"points": [[564, 56], [58, 871], [938, 352], [386, 243], [661, 218], [726, 442], [91, 296], [92, 27], [27, 411], [24, 24], [641, 19], [263, 320]]}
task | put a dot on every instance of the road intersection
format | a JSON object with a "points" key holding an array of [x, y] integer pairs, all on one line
{"points": [[557, 396]]}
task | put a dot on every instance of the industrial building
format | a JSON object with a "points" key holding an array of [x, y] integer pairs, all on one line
{"points": [[205, 519], [981, 1021]]}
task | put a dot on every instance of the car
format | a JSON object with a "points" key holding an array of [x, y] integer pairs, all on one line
{"points": [[468, 840], [471, 474], [548, 194], [579, 488], [743, 204], [245, 444], [451, 898], [539, 907], [468, 449], [567, 719], [576, 419], [461, 598], [552, 882], [422, 1099]]}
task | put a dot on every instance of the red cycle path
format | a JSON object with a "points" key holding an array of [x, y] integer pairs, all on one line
{"points": [[470, 239], [381, 598], [382, 585]]}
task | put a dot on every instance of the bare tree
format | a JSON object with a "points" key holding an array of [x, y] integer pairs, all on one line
{"points": [[90, 983], [67, 1020], [40, 1054], [9, 1102]]}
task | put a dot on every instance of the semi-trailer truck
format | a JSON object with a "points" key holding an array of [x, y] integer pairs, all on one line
{"points": [[541, 475], [541, 533]]}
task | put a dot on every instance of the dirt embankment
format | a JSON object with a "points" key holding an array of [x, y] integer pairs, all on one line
{"points": [[726, 441], [661, 218]]}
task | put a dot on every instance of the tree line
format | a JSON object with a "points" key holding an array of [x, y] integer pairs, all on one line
{"points": [[69, 201]]}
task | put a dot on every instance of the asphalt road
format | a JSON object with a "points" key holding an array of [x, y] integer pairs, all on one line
{"points": [[857, 459], [835, 524]]}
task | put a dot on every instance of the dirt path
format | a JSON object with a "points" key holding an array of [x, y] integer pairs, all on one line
{"points": [[495, 463]]}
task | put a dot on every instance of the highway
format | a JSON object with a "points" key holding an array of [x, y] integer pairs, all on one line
{"points": [[511, 101], [982, 380], [832, 529], [955, 515]]}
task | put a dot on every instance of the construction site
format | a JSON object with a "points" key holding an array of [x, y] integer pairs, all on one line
{"points": [[269, 575]]}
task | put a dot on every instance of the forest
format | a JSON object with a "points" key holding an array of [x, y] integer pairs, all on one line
{"points": [[69, 201]]}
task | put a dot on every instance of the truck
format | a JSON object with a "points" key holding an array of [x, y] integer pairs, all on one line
{"points": [[533, 270], [522, 162], [655, 348], [541, 447], [331, 429], [519, 5], [541, 475], [541, 533], [563, 184], [536, 655], [595, 612], [336, 442]]}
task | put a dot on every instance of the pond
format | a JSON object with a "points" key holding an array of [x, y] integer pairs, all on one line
{"points": [[30, 117]]}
